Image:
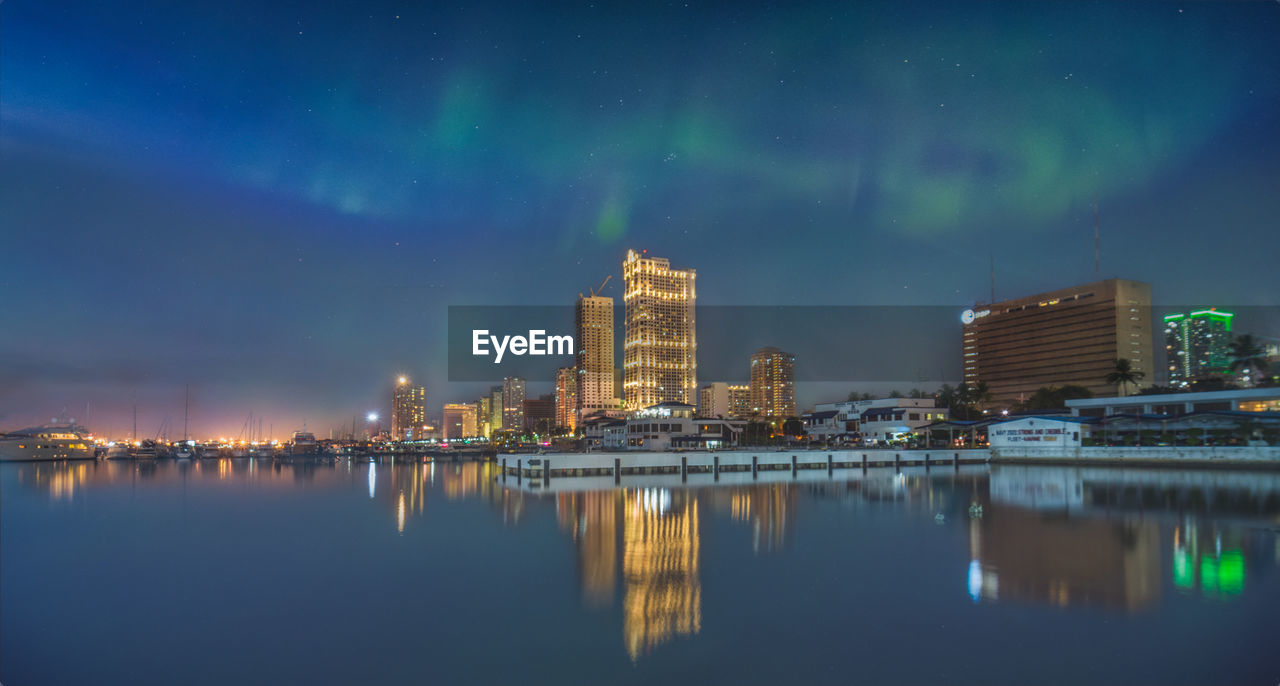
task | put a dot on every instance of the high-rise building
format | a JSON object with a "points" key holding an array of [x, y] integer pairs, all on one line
{"points": [[720, 399], [539, 414], [496, 411], [773, 383], [660, 349], [1071, 336], [567, 397], [408, 410], [513, 402], [593, 326], [484, 416], [1197, 345], [459, 421]]}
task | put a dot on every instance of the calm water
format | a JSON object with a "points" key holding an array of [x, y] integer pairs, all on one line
{"points": [[238, 572]]}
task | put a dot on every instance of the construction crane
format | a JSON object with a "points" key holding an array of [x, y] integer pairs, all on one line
{"points": [[598, 289]]}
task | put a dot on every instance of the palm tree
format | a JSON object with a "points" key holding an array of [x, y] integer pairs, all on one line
{"points": [[1124, 374], [1247, 355]]}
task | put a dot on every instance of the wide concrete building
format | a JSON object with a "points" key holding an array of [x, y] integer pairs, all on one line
{"points": [[1070, 336]]}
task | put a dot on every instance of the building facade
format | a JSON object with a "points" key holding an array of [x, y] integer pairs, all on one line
{"points": [[459, 421], [660, 345], [879, 420], [773, 383], [1197, 346], [539, 414], [513, 403], [567, 398], [1071, 336], [720, 399], [672, 425], [593, 326], [408, 410]]}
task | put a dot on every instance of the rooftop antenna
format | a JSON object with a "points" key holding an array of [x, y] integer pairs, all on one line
{"points": [[993, 278], [1097, 262]]}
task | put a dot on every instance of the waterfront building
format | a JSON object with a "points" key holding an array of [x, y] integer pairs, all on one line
{"points": [[672, 425], [602, 432], [773, 383], [593, 326], [1197, 346], [513, 403], [459, 421], [720, 399], [408, 410], [660, 342], [539, 414], [1071, 336], [1235, 400], [567, 398], [879, 420]]}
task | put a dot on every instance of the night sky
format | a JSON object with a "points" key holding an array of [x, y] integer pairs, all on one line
{"points": [[276, 202]]}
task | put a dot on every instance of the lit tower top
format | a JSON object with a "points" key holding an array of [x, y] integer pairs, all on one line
{"points": [[660, 348], [408, 410]]}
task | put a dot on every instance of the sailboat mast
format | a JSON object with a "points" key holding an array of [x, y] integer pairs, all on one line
{"points": [[186, 412]]}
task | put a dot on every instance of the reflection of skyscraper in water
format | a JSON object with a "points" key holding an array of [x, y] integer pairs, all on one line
{"points": [[663, 596], [768, 509], [592, 519], [1027, 555]]}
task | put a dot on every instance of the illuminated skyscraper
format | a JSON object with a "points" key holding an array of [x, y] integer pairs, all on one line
{"points": [[484, 416], [593, 326], [459, 421], [495, 409], [1072, 336], [567, 397], [408, 410], [513, 402], [1197, 346], [660, 348], [773, 383]]}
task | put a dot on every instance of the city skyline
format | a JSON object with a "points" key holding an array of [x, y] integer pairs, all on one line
{"points": [[248, 217]]}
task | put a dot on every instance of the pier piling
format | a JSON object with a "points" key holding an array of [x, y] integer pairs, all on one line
{"points": [[716, 466], [755, 465], [684, 468], [617, 470]]}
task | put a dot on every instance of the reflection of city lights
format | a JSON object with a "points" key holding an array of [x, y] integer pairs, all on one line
{"points": [[655, 500], [975, 580], [373, 477], [400, 513]]}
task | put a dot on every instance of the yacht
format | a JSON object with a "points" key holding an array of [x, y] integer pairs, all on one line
{"points": [[46, 443], [304, 443]]}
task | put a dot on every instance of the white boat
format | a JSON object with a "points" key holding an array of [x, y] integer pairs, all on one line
{"points": [[304, 443], [48, 442]]}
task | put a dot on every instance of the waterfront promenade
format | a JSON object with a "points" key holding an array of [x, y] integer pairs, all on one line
{"points": [[745, 466]]}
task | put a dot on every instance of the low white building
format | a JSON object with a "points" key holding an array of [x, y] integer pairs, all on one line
{"points": [[880, 420]]}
